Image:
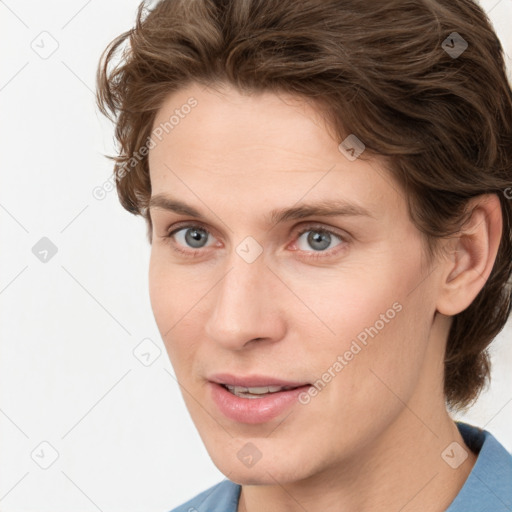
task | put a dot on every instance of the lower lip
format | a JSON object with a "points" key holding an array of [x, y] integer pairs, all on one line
{"points": [[254, 410]]}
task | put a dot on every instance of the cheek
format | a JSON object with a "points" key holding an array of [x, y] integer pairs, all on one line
{"points": [[175, 302], [158, 286], [352, 306], [169, 285], [383, 360], [380, 331], [167, 295]]}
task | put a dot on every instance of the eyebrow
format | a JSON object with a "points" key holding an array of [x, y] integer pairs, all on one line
{"points": [[324, 208]]}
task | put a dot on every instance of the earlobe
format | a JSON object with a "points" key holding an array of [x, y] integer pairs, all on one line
{"points": [[474, 252]]}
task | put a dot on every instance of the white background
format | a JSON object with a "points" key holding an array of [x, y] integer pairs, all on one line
{"points": [[124, 439]]}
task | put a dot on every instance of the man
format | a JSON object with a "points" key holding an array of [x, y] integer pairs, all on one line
{"points": [[325, 186]]}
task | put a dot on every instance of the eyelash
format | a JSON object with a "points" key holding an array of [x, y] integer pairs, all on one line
{"points": [[315, 255]]}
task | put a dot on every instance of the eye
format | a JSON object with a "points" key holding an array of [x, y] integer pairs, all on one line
{"points": [[191, 236], [318, 239]]}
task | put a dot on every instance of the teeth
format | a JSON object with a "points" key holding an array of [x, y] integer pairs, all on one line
{"points": [[247, 392]]}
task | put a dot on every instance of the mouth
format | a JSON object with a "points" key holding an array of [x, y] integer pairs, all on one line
{"points": [[256, 399], [256, 392]]}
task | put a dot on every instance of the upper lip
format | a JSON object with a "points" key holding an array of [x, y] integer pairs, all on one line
{"points": [[250, 381]]}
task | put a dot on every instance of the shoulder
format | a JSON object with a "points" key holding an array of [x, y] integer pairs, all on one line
{"points": [[221, 497], [489, 485]]}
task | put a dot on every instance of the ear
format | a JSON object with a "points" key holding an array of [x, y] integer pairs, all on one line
{"points": [[471, 255]]}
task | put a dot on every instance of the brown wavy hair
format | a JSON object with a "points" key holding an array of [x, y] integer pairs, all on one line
{"points": [[376, 69]]}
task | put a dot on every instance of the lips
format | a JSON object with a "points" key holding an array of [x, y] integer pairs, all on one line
{"points": [[254, 381], [255, 408], [253, 399]]}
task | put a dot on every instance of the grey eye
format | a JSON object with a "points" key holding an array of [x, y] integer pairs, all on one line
{"points": [[193, 237], [317, 240]]}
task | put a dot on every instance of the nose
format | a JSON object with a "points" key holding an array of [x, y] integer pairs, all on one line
{"points": [[245, 305]]}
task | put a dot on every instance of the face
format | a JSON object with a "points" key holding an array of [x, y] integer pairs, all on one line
{"points": [[335, 302]]}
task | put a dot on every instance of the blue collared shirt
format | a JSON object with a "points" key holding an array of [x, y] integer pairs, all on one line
{"points": [[488, 487]]}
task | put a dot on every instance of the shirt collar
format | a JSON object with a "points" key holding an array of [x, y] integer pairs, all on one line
{"points": [[488, 487]]}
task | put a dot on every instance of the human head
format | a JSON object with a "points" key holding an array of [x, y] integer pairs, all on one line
{"points": [[443, 123]]}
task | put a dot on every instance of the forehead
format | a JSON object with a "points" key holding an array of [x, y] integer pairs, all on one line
{"points": [[225, 121], [263, 148]]}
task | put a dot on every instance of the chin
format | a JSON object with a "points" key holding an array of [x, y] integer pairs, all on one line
{"points": [[278, 468], [259, 476]]}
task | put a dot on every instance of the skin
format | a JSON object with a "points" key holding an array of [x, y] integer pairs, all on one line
{"points": [[372, 438]]}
